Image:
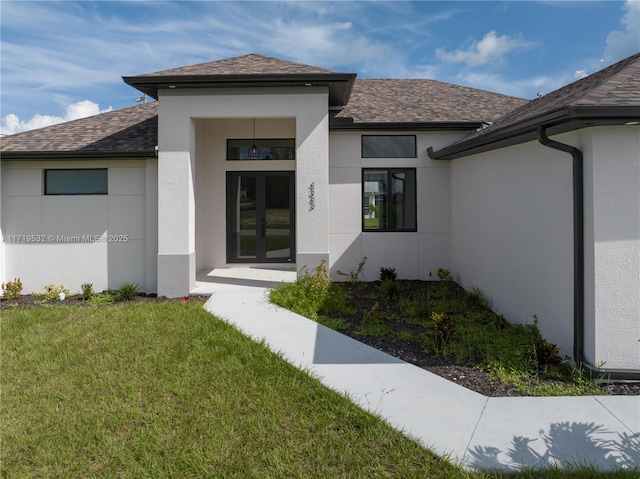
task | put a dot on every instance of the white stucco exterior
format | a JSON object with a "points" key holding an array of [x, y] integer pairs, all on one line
{"points": [[612, 246], [512, 234], [413, 254], [105, 240], [512, 237], [187, 139]]}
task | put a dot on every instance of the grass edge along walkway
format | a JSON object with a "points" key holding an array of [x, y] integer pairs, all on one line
{"points": [[168, 390]]}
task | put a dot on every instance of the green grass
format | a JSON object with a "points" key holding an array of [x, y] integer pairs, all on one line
{"points": [[166, 390]]}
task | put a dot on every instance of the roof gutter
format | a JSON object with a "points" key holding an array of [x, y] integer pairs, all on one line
{"points": [[578, 262]]}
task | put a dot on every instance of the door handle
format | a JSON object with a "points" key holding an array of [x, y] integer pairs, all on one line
{"points": [[264, 228]]}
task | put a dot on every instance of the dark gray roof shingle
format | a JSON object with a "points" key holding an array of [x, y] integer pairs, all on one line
{"points": [[385, 101], [251, 64], [615, 86], [128, 130]]}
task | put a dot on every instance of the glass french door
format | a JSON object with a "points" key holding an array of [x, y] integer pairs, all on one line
{"points": [[260, 217]]}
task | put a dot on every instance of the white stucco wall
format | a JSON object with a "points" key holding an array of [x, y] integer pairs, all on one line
{"points": [[413, 254], [612, 246], [62, 254], [179, 123], [512, 234]]}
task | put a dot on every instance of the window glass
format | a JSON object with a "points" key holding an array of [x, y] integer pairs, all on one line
{"points": [[389, 199], [261, 149], [76, 182], [389, 146]]}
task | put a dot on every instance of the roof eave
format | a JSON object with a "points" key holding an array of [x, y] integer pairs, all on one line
{"points": [[345, 124], [76, 155], [557, 121], [340, 84]]}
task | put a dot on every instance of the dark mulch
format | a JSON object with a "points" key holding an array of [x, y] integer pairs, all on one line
{"points": [[363, 299], [364, 295]]}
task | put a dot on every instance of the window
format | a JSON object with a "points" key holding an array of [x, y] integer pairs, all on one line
{"points": [[91, 181], [389, 199], [389, 146], [261, 149]]}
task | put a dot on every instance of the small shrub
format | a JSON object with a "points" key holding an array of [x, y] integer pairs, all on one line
{"points": [[388, 274], [390, 289], [542, 353], [441, 325], [128, 291], [106, 297], [12, 289], [53, 292], [444, 274], [357, 275], [87, 291]]}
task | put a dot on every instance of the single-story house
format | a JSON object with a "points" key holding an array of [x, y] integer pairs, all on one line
{"points": [[255, 159]]}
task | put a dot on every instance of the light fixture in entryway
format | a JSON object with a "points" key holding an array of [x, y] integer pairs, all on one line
{"points": [[254, 148]]}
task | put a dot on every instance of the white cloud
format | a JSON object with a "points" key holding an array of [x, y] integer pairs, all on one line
{"points": [[626, 42], [492, 48], [11, 123], [579, 74]]}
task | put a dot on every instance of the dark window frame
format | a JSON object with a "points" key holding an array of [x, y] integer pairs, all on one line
{"points": [[256, 141], [362, 146], [388, 204], [76, 193]]}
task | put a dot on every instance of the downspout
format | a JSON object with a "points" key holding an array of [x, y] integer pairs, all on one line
{"points": [[578, 262]]}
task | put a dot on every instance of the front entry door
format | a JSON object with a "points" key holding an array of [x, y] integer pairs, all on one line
{"points": [[260, 217]]}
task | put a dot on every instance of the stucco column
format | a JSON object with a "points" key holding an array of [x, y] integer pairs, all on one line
{"points": [[312, 187], [176, 206]]}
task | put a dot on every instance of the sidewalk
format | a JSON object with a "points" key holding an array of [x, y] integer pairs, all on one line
{"points": [[471, 429]]}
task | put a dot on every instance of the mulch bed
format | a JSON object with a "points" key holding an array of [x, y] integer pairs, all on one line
{"points": [[365, 295], [363, 300]]}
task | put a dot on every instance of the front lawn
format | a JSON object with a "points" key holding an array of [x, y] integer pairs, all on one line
{"points": [[167, 390]]}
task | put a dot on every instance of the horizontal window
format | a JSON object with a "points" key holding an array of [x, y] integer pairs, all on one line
{"points": [[91, 181], [262, 149], [389, 146], [389, 199]]}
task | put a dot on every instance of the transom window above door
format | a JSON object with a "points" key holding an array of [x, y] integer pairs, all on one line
{"points": [[261, 149]]}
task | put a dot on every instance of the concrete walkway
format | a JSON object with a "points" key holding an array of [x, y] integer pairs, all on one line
{"points": [[472, 430]]}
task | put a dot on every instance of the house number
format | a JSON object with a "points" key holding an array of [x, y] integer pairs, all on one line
{"points": [[312, 196]]}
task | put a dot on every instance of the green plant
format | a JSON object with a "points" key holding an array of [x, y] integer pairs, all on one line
{"points": [[441, 325], [372, 323], [310, 294], [388, 274], [87, 291], [390, 289], [53, 292], [104, 298], [128, 291], [357, 275], [542, 353], [12, 289], [476, 299], [444, 274]]}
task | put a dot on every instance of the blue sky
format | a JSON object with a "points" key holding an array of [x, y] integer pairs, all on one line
{"points": [[64, 60]]}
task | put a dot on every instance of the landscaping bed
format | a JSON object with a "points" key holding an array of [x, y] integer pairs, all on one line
{"points": [[477, 348]]}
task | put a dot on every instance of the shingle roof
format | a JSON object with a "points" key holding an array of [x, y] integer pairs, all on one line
{"points": [[612, 91], [384, 101], [251, 64], [126, 131]]}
